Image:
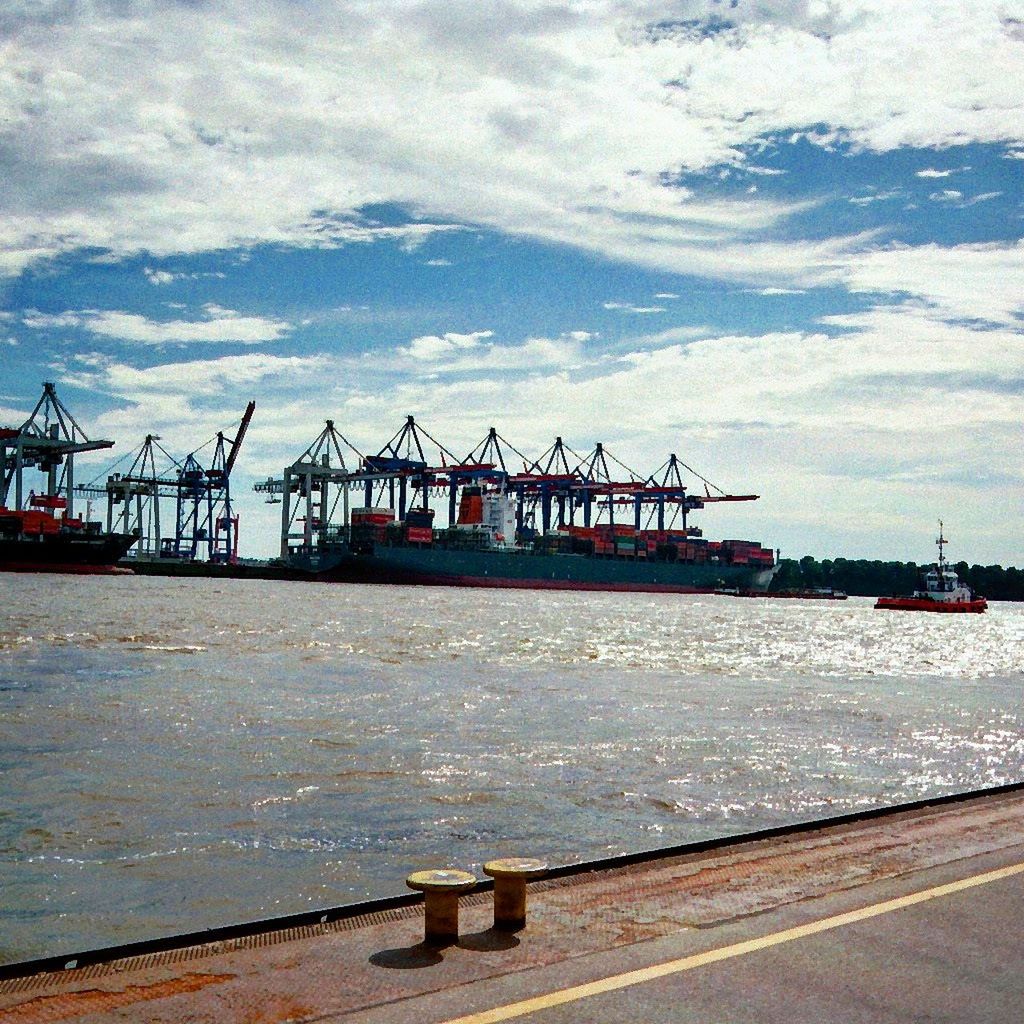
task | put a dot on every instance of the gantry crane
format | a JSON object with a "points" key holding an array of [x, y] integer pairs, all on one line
{"points": [[46, 442], [205, 526], [306, 487]]}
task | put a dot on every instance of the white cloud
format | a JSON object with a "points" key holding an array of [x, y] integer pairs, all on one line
{"points": [[159, 277], [536, 352], [220, 325], [984, 197], [976, 281], [35, 319], [432, 347], [875, 197], [91, 359], [179, 382], [626, 307], [955, 198], [565, 123], [951, 197], [13, 417], [788, 379], [463, 353]]}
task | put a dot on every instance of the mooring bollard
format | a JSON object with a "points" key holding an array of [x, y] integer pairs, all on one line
{"points": [[441, 890], [510, 875]]}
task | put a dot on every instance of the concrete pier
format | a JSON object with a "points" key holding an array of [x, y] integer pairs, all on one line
{"points": [[911, 916]]}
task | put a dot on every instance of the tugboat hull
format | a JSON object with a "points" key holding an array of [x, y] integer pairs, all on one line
{"points": [[925, 604], [942, 591]]}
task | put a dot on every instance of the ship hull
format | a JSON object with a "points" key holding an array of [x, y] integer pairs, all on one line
{"points": [[65, 553], [248, 570], [522, 570], [924, 604]]}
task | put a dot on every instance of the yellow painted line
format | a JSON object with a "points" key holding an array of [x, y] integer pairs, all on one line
{"points": [[688, 963]]}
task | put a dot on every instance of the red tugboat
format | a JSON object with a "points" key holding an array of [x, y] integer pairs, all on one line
{"points": [[943, 591], [39, 531]]}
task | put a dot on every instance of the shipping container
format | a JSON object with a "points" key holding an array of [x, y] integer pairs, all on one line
{"points": [[376, 516]]}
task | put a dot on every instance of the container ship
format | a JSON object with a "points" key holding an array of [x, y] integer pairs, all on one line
{"points": [[561, 524], [381, 549], [39, 531]]}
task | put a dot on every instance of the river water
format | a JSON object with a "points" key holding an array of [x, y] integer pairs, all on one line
{"points": [[179, 754]]}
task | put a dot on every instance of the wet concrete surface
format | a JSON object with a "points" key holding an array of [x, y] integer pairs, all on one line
{"points": [[956, 957]]}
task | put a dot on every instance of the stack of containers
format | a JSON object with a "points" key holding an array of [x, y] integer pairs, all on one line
{"points": [[375, 520], [419, 526], [581, 539], [625, 540], [746, 552], [604, 542]]}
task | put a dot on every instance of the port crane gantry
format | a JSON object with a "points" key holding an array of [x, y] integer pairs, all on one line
{"points": [[306, 486], [47, 442], [204, 521]]}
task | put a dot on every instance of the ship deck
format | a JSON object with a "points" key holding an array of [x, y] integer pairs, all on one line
{"points": [[911, 915]]}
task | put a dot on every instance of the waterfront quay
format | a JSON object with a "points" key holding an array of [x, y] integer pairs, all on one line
{"points": [[906, 915]]}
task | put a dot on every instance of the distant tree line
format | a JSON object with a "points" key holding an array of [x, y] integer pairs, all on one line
{"points": [[875, 578]]}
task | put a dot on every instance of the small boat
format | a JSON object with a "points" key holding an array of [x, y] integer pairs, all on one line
{"points": [[942, 591]]}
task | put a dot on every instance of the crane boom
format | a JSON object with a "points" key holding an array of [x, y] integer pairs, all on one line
{"points": [[237, 444]]}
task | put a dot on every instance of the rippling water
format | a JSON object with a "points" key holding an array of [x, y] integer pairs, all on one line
{"points": [[180, 754]]}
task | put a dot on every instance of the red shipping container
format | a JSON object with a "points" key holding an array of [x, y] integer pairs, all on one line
{"points": [[377, 516]]}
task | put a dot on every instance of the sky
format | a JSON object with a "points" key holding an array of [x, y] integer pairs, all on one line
{"points": [[783, 240]]}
